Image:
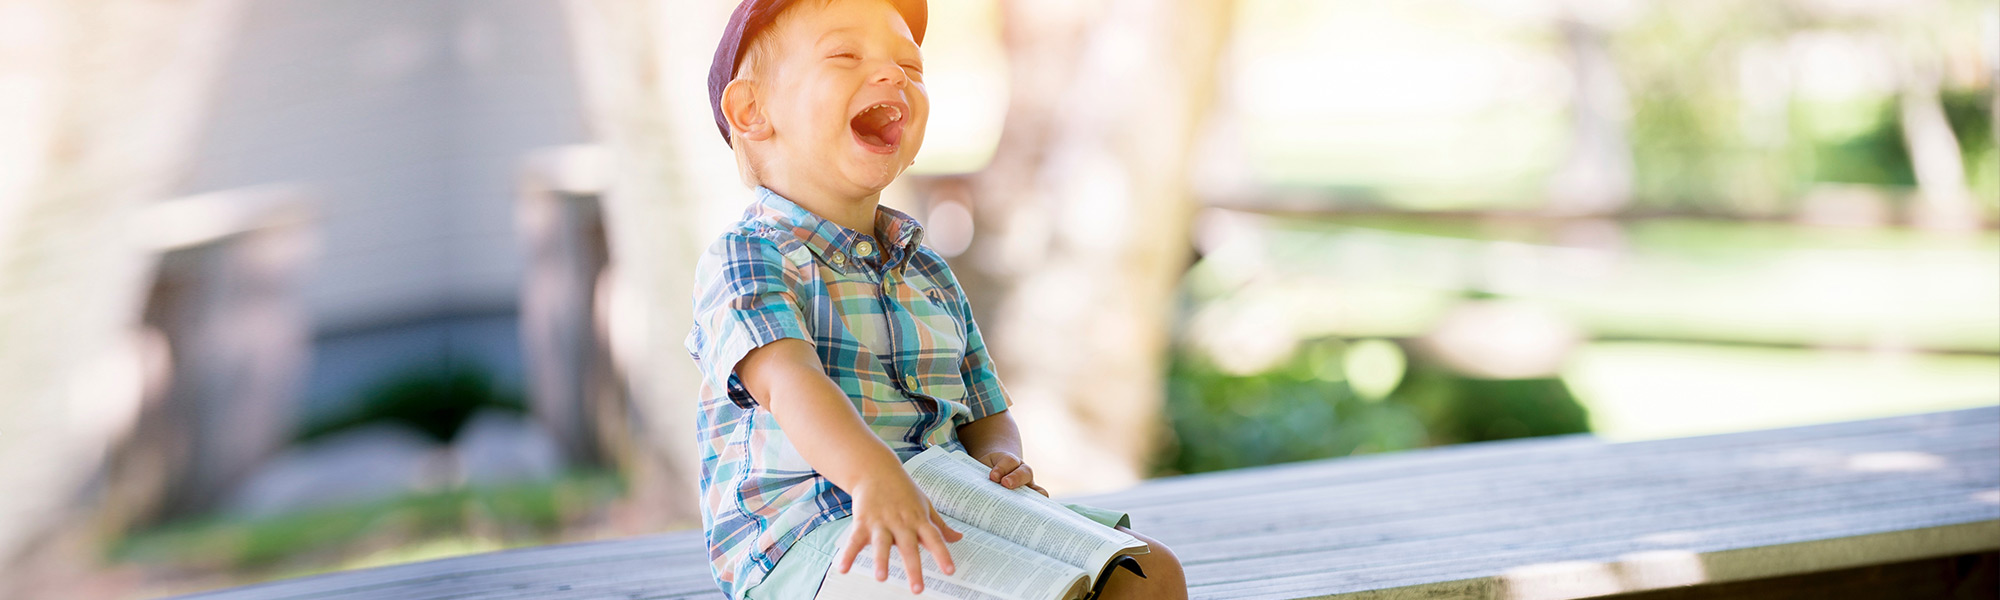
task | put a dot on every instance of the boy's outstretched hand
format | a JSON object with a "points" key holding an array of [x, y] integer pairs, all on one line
{"points": [[889, 511], [1009, 471]]}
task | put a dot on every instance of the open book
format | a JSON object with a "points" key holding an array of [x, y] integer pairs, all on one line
{"points": [[1018, 545]]}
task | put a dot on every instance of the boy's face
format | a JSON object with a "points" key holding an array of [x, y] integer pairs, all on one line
{"points": [[846, 96]]}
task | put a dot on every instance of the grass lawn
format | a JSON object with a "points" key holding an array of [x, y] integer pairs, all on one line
{"points": [[1644, 390], [419, 526]]}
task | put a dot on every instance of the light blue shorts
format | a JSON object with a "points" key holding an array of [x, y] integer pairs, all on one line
{"points": [[798, 573]]}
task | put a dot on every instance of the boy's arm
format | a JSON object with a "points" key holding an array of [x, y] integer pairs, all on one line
{"points": [[889, 510], [996, 441]]}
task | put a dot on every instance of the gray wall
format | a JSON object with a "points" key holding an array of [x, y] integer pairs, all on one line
{"points": [[408, 119]]}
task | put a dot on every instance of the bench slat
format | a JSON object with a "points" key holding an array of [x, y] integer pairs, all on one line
{"points": [[1636, 513], [1641, 482], [1471, 461], [1555, 517]]}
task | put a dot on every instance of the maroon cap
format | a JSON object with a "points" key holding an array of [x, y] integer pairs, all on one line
{"points": [[754, 15]]}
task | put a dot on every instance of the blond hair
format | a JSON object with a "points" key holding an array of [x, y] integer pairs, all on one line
{"points": [[753, 59], [752, 65]]}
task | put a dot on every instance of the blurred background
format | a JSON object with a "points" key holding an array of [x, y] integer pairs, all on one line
{"points": [[290, 286]]}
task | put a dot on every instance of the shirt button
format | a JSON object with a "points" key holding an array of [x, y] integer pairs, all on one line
{"points": [[910, 381], [838, 259], [864, 248]]}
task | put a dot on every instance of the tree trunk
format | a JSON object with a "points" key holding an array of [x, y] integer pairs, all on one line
{"points": [[1943, 201], [1596, 178], [669, 184], [95, 120], [1083, 223]]}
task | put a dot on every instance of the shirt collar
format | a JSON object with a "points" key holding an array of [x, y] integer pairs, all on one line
{"points": [[827, 238]]}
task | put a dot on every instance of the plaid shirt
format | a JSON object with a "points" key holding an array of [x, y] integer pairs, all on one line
{"points": [[891, 327]]}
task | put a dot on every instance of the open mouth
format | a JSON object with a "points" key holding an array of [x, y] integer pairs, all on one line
{"points": [[879, 128]]}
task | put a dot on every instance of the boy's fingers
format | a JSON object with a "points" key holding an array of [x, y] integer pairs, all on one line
{"points": [[934, 540], [1003, 463], [950, 535], [909, 545], [883, 541], [1018, 476], [1045, 493], [854, 545]]}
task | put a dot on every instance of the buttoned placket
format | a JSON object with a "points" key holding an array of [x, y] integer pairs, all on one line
{"points": [[898, 375]]}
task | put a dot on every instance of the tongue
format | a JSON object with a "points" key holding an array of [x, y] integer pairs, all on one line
{"points": [[890, 134], [875, 128]]}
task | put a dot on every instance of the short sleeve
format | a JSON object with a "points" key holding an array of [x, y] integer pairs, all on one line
{"points": [[983, 392], [741, 302]]}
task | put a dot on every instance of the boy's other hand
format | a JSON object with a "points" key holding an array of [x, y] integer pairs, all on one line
{"points": [[889, 511], [1009, 471]]}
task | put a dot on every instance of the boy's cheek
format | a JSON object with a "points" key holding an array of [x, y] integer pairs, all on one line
{"points": [[914, 131]]}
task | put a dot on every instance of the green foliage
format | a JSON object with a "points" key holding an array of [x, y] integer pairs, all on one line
{"points": [[519, 515], [436, 401], [1874, 152], [1698, 144], [1690, 150], [1303, 410], [1875, 155], [1458, 409], [1971, 115], [1223, 421]]}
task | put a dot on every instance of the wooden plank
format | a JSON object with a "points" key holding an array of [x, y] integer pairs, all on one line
{"points": [[1560, 579], [1494, 555], [1961, 490], [681, 554], [1542, 518], [1338, 505], [1576, 513], [1502, 454], [1349, 505], [1977, 462], [1506, 459], [1352, 513], [1576, 538]]}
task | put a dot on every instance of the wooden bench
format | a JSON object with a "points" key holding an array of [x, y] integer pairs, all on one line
{"points": [[1909, 505]]}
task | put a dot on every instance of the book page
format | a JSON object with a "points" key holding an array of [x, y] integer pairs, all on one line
{"points": [[988, 568], [958, 486]]}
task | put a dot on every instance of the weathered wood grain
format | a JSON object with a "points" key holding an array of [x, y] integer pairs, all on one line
{"points": [[1548, 518]]}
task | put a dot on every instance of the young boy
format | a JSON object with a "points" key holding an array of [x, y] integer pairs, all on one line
{"points": [[832, 344]]}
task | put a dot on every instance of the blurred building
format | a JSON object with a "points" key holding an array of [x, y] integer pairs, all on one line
{"points": [[409, 122], [406, 126]]}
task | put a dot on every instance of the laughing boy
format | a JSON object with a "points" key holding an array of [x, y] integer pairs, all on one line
{"points": [[833, 345]]}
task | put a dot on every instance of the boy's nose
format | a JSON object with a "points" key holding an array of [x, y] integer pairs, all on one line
{"points": [[891, 74]]}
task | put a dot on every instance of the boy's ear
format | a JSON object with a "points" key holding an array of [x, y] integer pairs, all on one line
{"points": [[744, 112]]}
